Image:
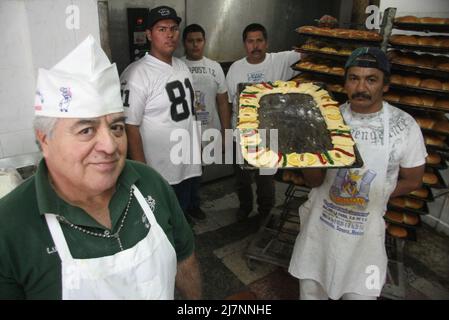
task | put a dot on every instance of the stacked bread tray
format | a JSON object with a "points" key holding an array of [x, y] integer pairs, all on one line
{"points": [[420, 86]]}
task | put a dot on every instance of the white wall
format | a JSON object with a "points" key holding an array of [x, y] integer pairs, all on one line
{"points": [[34, 35], [439, 209]]}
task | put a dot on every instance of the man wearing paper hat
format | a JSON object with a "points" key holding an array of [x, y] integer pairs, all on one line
{"points": [[340, 250], [159, 98], [90, 224]]}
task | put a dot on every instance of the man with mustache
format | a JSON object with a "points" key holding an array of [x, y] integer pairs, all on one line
{"points": [[257, 66], [340, 250], [90, 224], [158, 97]]}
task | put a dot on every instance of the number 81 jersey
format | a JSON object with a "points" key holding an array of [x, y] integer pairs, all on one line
{"points": [[159, 98]]}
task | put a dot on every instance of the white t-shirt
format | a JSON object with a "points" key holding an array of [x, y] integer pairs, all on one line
{"points": [[158, 97], [407, 148], [208, 81], [276, 66]]}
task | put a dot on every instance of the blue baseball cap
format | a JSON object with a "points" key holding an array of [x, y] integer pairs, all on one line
{"points": [[369, 58]]}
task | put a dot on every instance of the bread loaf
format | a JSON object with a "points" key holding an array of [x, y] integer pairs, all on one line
{"points": [[404, 40], [397, 232], [432, 20], [396, 79], [420, 193], [392, 97], [425, 123], [432, 84], [397, 202], [407, 19], [428, 100], [410, 219], [430, 178], [412, 100], [441, 126], [427, 41], [434, 141], [433, 159], [412, 81], [442, 104], [414, 204], [394, 216]]}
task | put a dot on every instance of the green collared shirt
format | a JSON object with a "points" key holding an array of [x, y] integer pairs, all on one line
{"points": [[30, 267]]}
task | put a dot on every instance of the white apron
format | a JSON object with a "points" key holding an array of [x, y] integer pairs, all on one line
{"points": [[145, 271], [341, 243]]}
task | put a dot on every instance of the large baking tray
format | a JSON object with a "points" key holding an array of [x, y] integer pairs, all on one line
{"points": [[429, 198], [334, 38], [424, 210], [441, 184], [419, 48], [288, 135], [420, 70], [423, 27], [404, 225], [441, 93], [316, 72]]}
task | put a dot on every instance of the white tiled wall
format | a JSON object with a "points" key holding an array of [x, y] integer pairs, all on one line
{"points": [[34, 35]]}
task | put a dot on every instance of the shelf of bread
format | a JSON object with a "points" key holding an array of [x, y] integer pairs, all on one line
{"points": [[406, 220], [435, 44], [423, 24], [319, 66], [410, 205], [419, 84], [340, 34], [423, 64], [327, 49], [419, 102]]}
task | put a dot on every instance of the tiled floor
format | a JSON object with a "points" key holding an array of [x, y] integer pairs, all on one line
{"points": [[222, 244]]}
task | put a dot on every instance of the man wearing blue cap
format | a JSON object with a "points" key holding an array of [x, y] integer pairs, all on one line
{"points": [[340, 250]]}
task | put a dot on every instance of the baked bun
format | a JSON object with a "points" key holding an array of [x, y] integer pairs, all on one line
{"points": [[432, 20], [405, 59], [396, 79], [407, 19], [442, 104], [422, 193], [432, 84], [410, 219], [396, 231], [337, 70], [425, 123], [430, 178], [413, 100], [433, 158], [427, 41], [414, 204], [343, 33], [412, 81], [320, 67], [441, 126], [397, 202], [404, 40], [392, 97], [428, 100], [434, 141], [394, 216]]}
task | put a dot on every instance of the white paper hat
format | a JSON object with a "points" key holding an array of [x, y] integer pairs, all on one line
{"points": [[84, 84]]}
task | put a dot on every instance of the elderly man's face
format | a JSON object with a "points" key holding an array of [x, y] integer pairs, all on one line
{"points": [[86, 154]]}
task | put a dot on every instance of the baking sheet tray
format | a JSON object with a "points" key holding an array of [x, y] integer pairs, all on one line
{"points": [[317, 72], [423, 27], [424, 210], [441, 184], [301, 125], [420, 70], [404, 225], [324, 54], [429, 197], [420, 48], [441, 93]]}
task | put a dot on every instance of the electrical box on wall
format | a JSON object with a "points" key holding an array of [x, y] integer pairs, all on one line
{"points": [[138, 43]]}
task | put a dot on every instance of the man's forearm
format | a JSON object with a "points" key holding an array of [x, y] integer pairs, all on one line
{"points": [[135, 144], [188, 278], [404, 187]]}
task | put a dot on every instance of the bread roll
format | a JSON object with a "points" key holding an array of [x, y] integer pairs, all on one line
{"points": [[397, 232], [425, 123], [432, 84], [397, 202], [428, 100], [392, 97], [414, 204], [397, 79], [405, 59], [337, 70], [442, 104], [430, 178], [420, 193], [407, 19], [433, 159], [320, 67], [404, 40], [307, 29], [427, 41], [394, 216], [343, 33], [432, 20], [434, 141], [412, 81], [441, 126], [324, 31], [412, 100], [410, 219]]}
